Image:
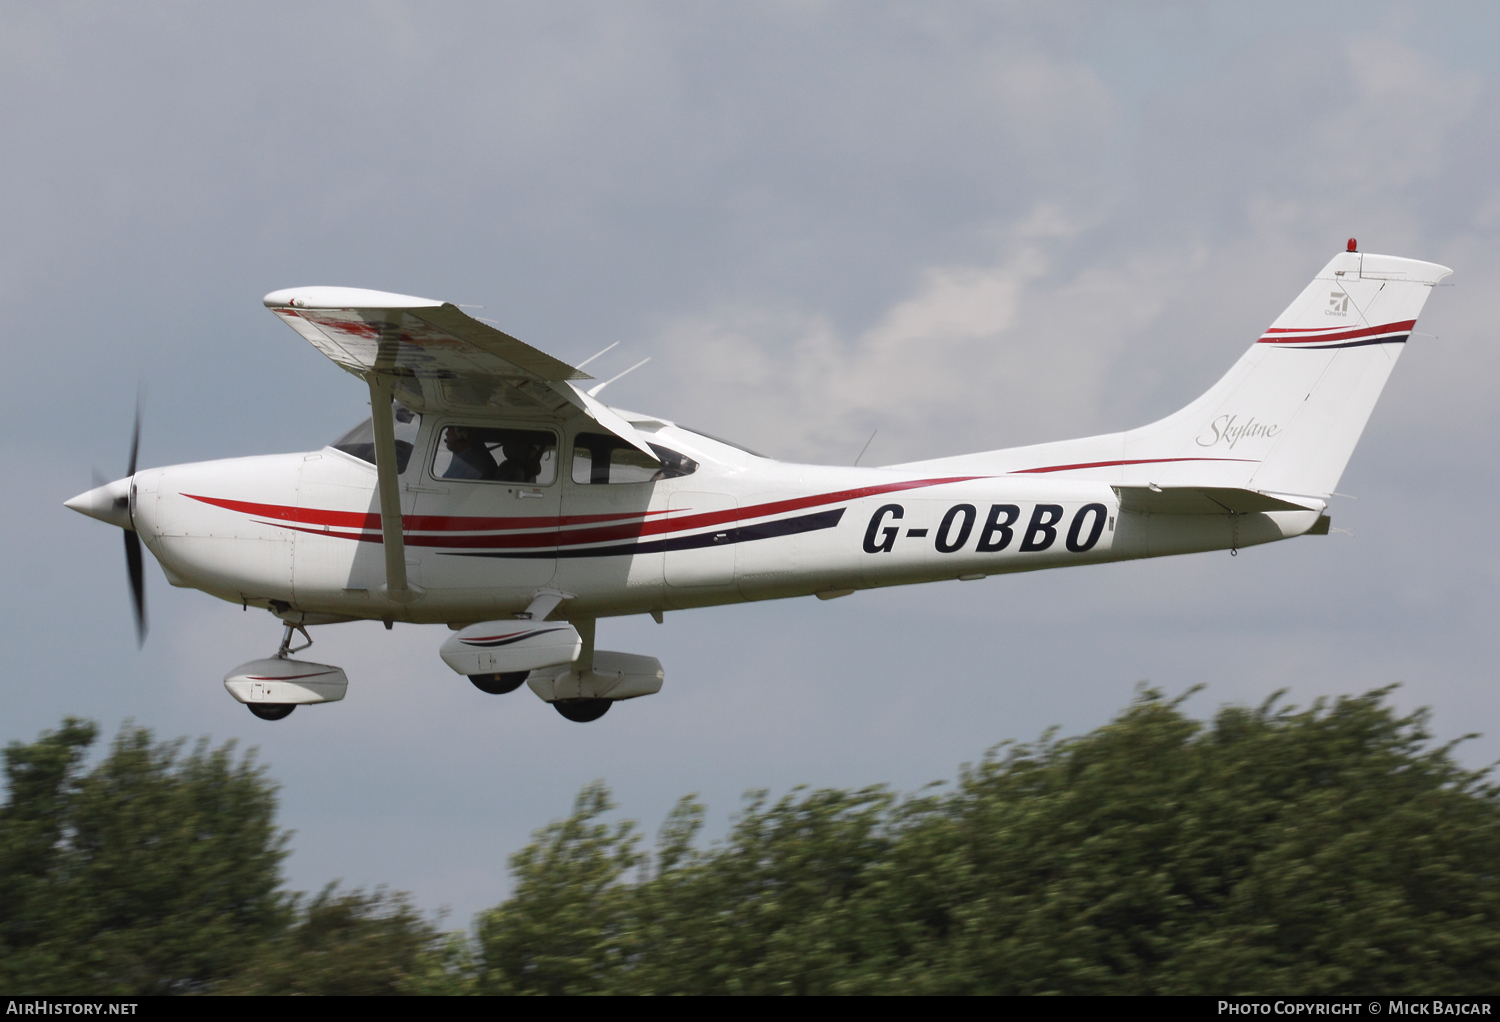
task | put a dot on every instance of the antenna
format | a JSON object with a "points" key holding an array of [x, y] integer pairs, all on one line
{"points": [[592, 357], [594, 391], [866, 447]]}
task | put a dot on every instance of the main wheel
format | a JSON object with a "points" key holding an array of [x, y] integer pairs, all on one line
{"points": [[499, 684], [583, 710], [271, 711]]}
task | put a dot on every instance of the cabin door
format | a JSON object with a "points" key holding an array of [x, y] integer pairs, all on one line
{"points": [[487, 507]]}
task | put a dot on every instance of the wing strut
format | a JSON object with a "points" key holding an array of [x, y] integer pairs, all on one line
{"points": [[390, 492]]}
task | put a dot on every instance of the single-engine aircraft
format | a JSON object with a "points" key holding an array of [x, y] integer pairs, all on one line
{"points": [[493, 492]]}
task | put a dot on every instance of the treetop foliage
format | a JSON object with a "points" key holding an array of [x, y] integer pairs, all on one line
{"points": [[1270, 850], [159, 871], [1331, 849]]}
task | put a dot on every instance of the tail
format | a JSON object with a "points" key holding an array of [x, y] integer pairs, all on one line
{"points": [[1286, 416]]}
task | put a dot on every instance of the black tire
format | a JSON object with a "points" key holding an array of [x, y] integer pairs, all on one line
{"points": [[499, 684], [583, 710], [271, 711]]}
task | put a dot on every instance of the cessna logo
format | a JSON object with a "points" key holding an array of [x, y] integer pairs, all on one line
{"points": [[1228, 430], [1338, 304]]}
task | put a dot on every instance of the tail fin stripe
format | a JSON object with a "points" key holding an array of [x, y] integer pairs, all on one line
{"points": [[1391, 339]]}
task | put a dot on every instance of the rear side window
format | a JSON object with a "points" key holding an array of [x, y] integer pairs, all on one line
{"points": [[496, 454], [605, 458]]}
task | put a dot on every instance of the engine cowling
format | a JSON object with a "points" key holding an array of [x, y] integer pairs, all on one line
{"points": [[280, 681], [505, 647]]}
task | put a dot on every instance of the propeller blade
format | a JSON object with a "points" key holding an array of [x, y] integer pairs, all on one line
{"points": [[133, 560], [135, 440], [137, 584]]}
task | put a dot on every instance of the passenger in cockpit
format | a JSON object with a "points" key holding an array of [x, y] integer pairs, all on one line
{"points": [[522, 464], [471, 459]]}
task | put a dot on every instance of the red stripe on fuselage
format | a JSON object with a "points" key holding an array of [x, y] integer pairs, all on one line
{"points": [[1111, 464], [418, 523], [574, 537]]}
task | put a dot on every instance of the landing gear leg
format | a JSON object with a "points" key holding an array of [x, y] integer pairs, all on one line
{"points": [[286, 649]]}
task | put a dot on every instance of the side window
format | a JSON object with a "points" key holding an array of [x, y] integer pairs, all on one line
{"points": [[496, 454], [605, 458], [360, 441]]}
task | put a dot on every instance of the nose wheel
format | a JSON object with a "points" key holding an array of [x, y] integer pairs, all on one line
{"points": [[278, 711]]}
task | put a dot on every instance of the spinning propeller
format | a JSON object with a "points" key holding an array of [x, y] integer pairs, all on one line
{"points": [[133, 562], [110, 502]]}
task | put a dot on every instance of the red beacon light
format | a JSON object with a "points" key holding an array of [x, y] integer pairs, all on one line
{"points": [[1353, 245]]}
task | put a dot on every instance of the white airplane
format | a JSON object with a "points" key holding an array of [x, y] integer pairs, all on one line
{"points": [[491, 492]]}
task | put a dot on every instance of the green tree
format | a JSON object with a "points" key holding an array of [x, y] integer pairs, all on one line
{"points": [[152, 873], [1330, 850], [351, 942], [564, 930], [159, 871], [42, 782]]}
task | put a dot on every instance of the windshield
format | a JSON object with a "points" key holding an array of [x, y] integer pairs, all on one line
{"points": [[360, 441]]}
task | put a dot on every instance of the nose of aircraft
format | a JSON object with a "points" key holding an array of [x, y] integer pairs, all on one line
{"points": [[109, 503]]}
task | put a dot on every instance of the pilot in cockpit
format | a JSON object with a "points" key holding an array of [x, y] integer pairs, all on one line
{"points": [[471, 459]]}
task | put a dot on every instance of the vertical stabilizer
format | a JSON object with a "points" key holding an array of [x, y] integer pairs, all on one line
{"points": [[1291, 410], [1286, 416]]}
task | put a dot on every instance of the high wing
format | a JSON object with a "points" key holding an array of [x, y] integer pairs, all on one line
{"points": [[405, 338], [429, 353], [373, 330]]}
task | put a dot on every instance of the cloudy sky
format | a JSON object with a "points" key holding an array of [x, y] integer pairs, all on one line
{"points": [[966, 225]]}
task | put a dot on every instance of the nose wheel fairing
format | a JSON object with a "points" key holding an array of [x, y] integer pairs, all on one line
{"points": [[274, 686]]}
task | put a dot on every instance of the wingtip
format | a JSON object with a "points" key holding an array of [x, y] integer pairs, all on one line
{"points": [[323, 297]]}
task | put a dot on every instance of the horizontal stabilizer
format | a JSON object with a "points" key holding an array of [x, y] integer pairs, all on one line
{"points": [[1201, 500]]}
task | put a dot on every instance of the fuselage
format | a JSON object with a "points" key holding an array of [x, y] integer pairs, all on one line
{"points": [[301, 533]]}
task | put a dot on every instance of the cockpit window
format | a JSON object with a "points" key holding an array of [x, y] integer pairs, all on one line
{"points": [[360, 441], [605, 458], [496, 454]]}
